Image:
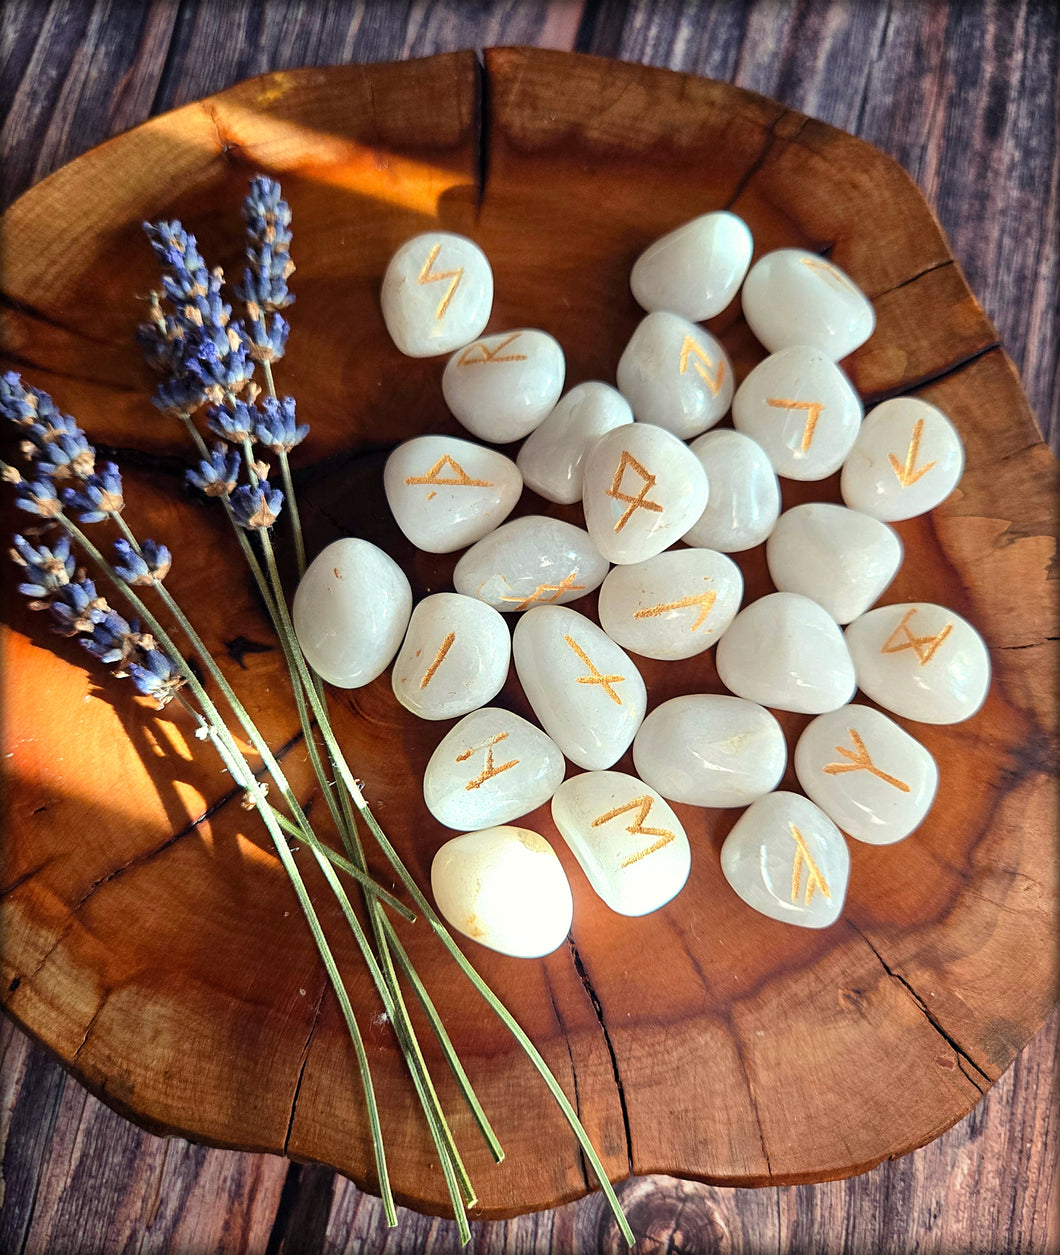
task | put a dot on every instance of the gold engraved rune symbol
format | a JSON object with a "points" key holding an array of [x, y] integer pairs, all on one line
{"points": [[594, 676], [703, 600], [642, 805], [813, 413], [425, 276], [859, 759], [490, 355], [923, 646], [458, 479], [635, 503], [821, 267], [566, 585], [910, 473], [439, 658], [490, 770], [814, 879], [702, 364]]}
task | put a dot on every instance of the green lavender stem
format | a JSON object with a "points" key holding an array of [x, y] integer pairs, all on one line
{"points": [[288, 484]]}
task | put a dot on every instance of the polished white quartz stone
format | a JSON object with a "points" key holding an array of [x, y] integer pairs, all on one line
{"points": [[674, 605], [643, 489], [696, 269], [801, 408], [785, 651], [907, 459], [350, 612], [505, 888], [792, 296], [840, 558], [920, 661], [532, 561], [437, 293], [710, 749], [787, 860], [629, 842], [744, 493], [446, 493], [866, 773], [454, 658], [552, 457], [584, 689], [675, 375], [503, 385], [491, 768]]}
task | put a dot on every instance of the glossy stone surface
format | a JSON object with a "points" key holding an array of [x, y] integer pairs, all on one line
{"points": [[437, 293], [501, 386], [552, 457], [696, 269], [743, 499]]}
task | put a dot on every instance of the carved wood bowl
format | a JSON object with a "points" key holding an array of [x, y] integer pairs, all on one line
{"points": [[150, 937]]}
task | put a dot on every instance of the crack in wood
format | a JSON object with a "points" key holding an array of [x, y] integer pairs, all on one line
{"points": [[304, 1060], [90, 1025], [767, 147], [561, 1023], [885, 394]]}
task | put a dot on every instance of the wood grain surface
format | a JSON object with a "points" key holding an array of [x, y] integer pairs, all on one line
{"points": [[242, 1205]]}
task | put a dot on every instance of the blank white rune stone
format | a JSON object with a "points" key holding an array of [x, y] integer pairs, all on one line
{"points": [[744, 494], [801, 408], [585, 691], [505, 888], [841, 559], [437, 294], [787, 860], [454, 659], [446, 493], [674, 605], [553, 455], [785, 651], [501, 386], [866, 773], [907, 459], [696, 269], [629, 842], [710, 749], [532, 561], [920, 661], [643, 490], [675, 375], [350, 612], [493, 767], [792, 296]]}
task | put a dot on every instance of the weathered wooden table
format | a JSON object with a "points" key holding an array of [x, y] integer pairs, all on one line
{"points": [[963, 97]]}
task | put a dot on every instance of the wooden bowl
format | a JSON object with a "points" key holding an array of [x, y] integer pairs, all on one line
{"points": [[150, 937]]}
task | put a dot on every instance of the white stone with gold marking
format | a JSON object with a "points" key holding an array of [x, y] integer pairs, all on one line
{"points": [[503, 385], [493, 767], [454, 658], [446, 493], [866, 773], [907, 459], [505, 888], [675, 375], [674, 605], [437, 293], [801, 408], [627, 839], [585, 691], [696, 269], [552, 457], [921, 661], [787, 860], [792, 296], [744, 497]]}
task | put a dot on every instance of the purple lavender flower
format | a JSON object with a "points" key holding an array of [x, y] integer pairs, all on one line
{"points": [[100, 495], [254, 508], [76, 607], [60, 454], [37, 497], [276, 428], [234, 421], [113, 640], [46, 569], [218, 476], [157, 676], [16, 404], [149, 566], [264, 288]]}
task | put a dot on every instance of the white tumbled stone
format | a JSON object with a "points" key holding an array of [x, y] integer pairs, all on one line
{"points": [[674, 605], [503, 385], [437, 293], [920, 661], [675, 375], [627, 839], [491, 768], [907, 459], [710, 749], [743, 500], [535, 560], [643, 489], [801, 408], [840, 558], [792, 296], [696, 269], [552, 457], [350, 612], [785, 651], [584, 689], [787, 860], [447, 493], [454, 658], [505, 888], [867, 774]]}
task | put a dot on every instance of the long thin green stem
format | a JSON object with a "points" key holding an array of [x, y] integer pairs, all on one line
{"points": [[288, 484]]}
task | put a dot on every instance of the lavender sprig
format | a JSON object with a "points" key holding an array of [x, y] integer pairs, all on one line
{"points": [[99, 497], [276, 427], [264, 288]]}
